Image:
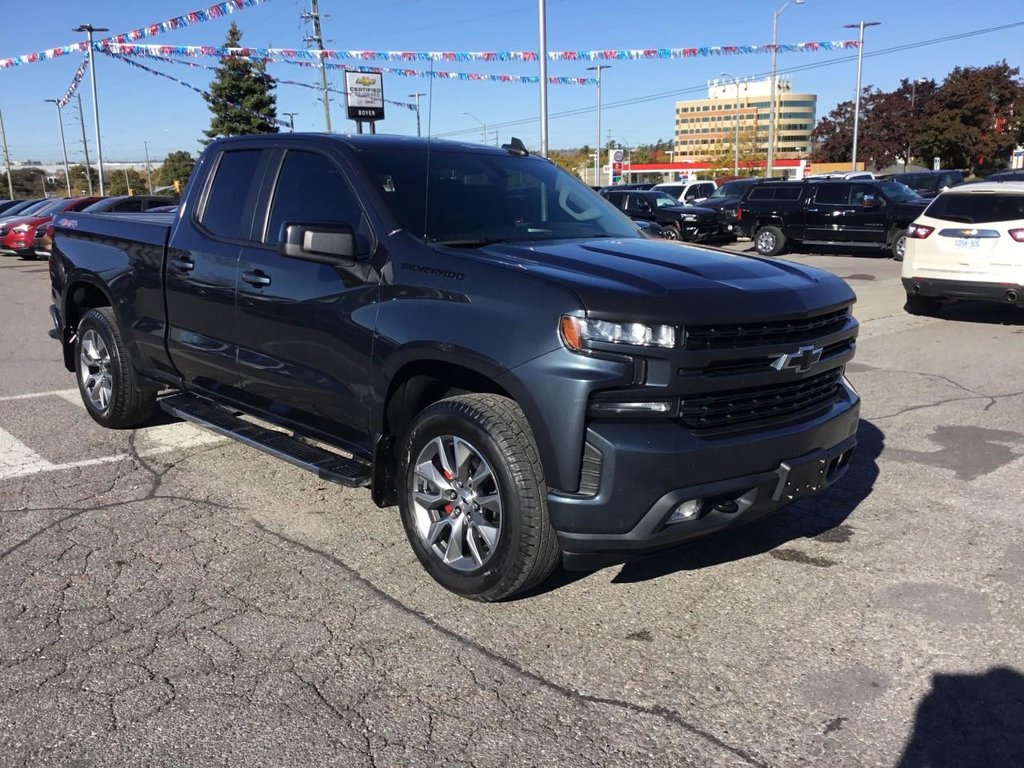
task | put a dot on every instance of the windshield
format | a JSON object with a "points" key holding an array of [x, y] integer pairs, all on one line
{"points": [[977, 208], [921, 182], [733, 188], [663, 200], [899, 193], [475, 198], [36, 207]]}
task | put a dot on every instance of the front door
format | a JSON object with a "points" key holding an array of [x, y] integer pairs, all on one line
{"points": [[866, 220], [306, 328], [826, 211]]}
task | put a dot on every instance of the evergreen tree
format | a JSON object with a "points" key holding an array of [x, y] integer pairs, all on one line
{"points": [[242, 92], [177, 166]]}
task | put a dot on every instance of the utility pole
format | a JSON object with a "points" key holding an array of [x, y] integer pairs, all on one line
{"points": [[149, 172], [7, 157], [291, 120], [85, 145], [597, 165], [774, 108], [856, 102], [417, 97], [318, 39], [63, 145], [543, 14], [89, 29]]}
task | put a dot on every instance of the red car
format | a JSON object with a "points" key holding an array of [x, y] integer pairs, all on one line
{"points": [[17, 235]]}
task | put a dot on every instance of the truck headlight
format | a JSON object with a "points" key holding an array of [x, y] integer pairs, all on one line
{"points": [[576, 331], [22, 228]]}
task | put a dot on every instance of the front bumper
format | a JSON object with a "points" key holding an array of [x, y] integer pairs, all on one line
{"points": [[1003, 293], [648, 469]]}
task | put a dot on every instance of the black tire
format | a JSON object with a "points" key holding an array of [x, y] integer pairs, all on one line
{"points": [[899, 244], [28, 256], [769, 241], [921, 305], [526, 549], [128, 404], [671, 232]]}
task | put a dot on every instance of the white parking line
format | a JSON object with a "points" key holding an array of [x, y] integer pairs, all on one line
{"points": [[65, 393], [17, 459]]}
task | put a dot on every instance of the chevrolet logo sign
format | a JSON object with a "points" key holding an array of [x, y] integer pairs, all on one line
{"points": [[968, 232], [365, 81], [800, 361]]}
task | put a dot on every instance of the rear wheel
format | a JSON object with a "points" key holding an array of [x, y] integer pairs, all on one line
{"points": [[473, 498], [28, 256], [921, 305], [109, 385], [899, 244], [769, 241]]}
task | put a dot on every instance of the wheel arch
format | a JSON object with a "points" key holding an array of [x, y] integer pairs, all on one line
{"points": [[80, 296]]}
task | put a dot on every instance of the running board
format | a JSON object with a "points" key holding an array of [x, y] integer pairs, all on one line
{"points": [[329, 466]]}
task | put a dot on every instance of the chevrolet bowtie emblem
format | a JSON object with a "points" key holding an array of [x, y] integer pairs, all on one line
{"points": [[968, 232], [800, 361]]}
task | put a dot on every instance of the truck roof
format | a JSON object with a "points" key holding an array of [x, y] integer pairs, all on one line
{"points": [[357, 142]]}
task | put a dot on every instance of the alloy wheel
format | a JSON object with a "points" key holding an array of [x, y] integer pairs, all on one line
{"points": [[94, 370]]}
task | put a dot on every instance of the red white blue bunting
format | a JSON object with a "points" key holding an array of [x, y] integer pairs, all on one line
{"points": [[75, 81]]}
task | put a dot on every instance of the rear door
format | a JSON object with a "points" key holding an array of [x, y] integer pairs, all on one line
{"points": [[826, 211], [202, 267], [637, 207], [306, 328]]}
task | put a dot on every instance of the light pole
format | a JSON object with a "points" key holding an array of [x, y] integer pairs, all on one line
{"points": [[291, 120], [85, 143], [63, 144], [89, 29], [913, 116], [736, 120], [597, 146], [543, 34], [771, 115], [482, 123], [149, 171], [856, 101], [417, 97]]}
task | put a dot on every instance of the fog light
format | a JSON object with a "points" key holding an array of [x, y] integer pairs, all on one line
{"points": [[686, 511], [618, 408]]}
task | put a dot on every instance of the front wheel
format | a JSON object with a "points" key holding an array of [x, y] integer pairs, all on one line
{"points": [[899, 244], [106, 379], [473, 498], [670, 232], [769, 241]]}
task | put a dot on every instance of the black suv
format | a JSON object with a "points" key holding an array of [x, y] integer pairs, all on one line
{"points": [[726, 200], [678, 221], [861, 212]]}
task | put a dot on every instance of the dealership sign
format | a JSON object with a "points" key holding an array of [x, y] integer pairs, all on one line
{"points": [[365, 97]]}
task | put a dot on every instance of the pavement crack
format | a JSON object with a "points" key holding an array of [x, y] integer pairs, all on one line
{"points": [[663, 713]]}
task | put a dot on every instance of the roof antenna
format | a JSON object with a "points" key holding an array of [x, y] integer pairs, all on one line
{"points": [[516, 147]]}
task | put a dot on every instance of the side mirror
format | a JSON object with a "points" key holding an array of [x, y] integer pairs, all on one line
{"points": [[689, 198], [327, 243]]}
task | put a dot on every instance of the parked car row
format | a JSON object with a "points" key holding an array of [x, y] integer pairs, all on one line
{"points": [[26, 226]]}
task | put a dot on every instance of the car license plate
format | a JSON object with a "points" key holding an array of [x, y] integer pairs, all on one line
{"points": [[967, 242]]}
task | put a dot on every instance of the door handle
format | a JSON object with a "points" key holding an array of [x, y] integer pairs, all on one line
{"points": [[257, 277], [182, 264]]}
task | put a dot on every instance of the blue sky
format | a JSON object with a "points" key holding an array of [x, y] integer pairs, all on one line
{"points": [[137, 106]]}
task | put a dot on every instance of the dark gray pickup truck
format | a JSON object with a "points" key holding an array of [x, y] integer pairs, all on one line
{"points": [[474, 335]]}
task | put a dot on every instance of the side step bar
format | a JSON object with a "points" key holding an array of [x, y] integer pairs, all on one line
{"points": [[329, 466]]}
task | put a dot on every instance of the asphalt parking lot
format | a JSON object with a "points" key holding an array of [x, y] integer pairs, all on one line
{"points": [[171, 598]]}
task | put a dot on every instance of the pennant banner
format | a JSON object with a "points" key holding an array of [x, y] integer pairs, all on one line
{"points": [[150, 30], [75, 81], [200, 91], [630, 54]]}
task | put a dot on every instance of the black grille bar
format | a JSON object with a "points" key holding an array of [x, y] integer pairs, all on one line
{"points": [[732, 336]]}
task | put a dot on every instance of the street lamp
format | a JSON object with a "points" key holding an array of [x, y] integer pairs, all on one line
{"points": [[736, 120], [597, 146], [856, 102], [89, 29], [417, 97], [771, 114], [149, 172], [482, 123], [291, 120], [913, 115], [63, 144]]}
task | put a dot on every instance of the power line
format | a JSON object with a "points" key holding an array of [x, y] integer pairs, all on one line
{"points": [[790, 70]]}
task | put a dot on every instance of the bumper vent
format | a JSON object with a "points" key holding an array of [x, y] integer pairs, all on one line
{"points": [[750, 407]]}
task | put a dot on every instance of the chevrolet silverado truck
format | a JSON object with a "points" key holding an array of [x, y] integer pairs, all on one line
{"points": [[858, 212], [472, 334]]}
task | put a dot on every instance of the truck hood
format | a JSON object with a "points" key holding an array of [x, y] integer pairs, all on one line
{"points": [[662, 281]]}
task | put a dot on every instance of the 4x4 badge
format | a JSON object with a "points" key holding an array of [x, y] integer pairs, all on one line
{"points": [[800, 361]]}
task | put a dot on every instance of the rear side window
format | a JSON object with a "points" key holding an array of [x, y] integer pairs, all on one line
{"points": [[773, 192], [833, 194], [977, 208], [128, 206], [227, 200], [310, 188]]}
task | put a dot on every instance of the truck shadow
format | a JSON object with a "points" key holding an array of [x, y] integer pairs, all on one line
{"points": [[820, 517], [968, 721], [981, 312]]}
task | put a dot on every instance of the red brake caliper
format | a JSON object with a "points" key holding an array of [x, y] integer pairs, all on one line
{"points": [[447, 476]]}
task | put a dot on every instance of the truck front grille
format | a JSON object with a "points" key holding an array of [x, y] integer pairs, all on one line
{"points": [[747, 407], [732, 336]]}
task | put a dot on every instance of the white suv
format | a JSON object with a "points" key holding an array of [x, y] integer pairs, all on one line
{"points": [[968, 244], [688, 192]]}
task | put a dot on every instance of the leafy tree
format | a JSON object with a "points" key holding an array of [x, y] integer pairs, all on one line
{"points": [[724, 158], [120, 181], [79, 181], [241, 95], [28, 182], [178, 166]]}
